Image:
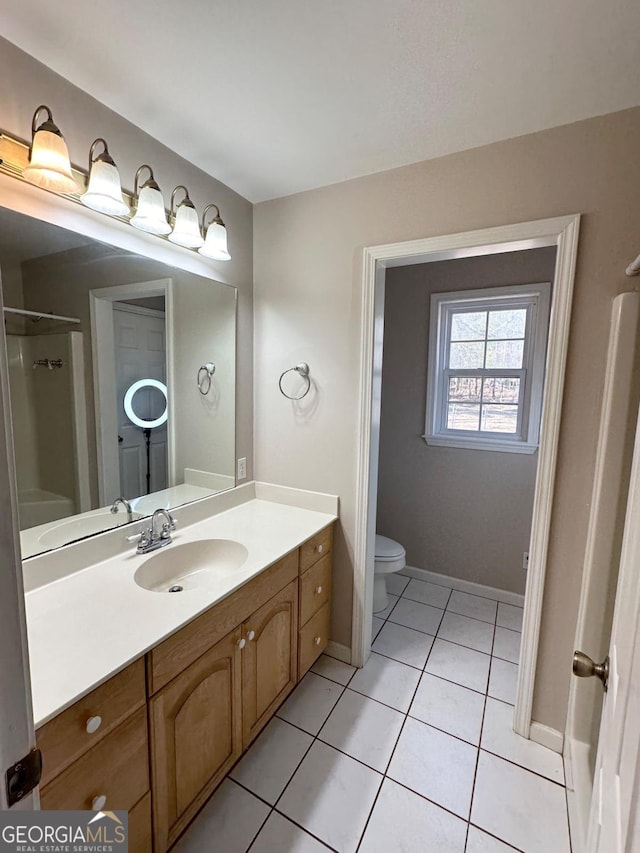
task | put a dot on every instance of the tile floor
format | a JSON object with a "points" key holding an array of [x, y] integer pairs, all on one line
{"points": [[412, 754]]}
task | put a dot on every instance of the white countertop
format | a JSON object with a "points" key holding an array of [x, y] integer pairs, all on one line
{"points": [[85, 626]]}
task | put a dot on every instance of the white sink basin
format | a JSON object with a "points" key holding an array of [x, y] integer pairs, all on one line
{"points": [[87, 525], [191, 565]]}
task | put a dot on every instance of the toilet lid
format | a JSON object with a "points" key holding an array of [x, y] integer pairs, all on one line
{"points": [[387, 549]]}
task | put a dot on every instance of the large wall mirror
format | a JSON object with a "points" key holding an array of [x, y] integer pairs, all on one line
{"points": [[122, 382]]}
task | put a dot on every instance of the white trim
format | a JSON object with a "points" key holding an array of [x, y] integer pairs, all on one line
{"points": [[577, 770], [101, 304], [126, 308], [79, 421], [484, 591], [561, 232], [546, 736], [480, 443], [338, 651]]}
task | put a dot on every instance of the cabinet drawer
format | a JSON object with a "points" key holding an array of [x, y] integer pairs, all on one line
{"points": [[315, 588], [315, 548], [140, 826], [69, 735], [117, 768], [314, 637]]}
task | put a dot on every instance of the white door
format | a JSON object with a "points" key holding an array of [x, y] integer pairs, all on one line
{"points": [[140, 353], [614, 824]]}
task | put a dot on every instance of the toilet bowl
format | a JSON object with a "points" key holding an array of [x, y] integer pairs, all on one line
{"points": [[390, 557]]}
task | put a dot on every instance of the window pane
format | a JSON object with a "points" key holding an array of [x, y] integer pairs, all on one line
{"points": [[503, 355], [499, 418], [507, 324], [463, 416], [501, 390], [465, 389], [466, 356], [469, 326]]}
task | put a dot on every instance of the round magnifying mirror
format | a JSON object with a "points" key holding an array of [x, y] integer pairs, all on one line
{"points": [[128, 403]]}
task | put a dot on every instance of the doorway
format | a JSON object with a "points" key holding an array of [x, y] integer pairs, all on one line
{"points": [[561, 233]]}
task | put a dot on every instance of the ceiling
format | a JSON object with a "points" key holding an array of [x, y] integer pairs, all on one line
{"points": [[277, 96], [23, 238]]}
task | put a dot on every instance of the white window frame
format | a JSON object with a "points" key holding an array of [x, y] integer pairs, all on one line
{"points": [[536, 299]]}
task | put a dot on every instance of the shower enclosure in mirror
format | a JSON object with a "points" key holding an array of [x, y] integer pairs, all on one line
{"points": [[106, 350]]}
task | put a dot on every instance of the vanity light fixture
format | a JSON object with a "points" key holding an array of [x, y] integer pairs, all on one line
{"points": [[49, 166], [186, 228], [215, 244], [104, 190], [150, 215]]}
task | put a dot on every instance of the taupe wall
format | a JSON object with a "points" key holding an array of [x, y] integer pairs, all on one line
{"points": [[308, 280], [26, 83], [465, 513]]}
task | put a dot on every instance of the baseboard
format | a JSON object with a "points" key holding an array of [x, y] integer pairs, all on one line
{"points": [[465, 586], [338, 651], [546, 736]]}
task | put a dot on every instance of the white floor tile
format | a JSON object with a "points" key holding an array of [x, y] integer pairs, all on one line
{"points": [[412, 614], [403, 644], [436, 765], [479, 842], [509, 616], [473, 605], [364, 729], [503, 681], [279, 835], [457, 663], [467, 632], [507, 645], [450, 707], [334, 669], [403, 821], [427, 593], [396, 584], [331, 796], [311, 703], [272, 759], [498, 737], [229, 822], [519, 807], [376, 625], [387, 681], [382, 614]]}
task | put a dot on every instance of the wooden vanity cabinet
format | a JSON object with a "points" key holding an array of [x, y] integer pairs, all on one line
{"points": [[315, 566]]}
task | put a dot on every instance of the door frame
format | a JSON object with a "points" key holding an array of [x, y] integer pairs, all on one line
{"points": [[561, 232], [101, 305]]}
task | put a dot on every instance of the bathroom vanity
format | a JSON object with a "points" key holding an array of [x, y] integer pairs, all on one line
{"points": [[186, 680]]}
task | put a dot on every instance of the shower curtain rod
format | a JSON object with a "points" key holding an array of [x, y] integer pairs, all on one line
{"points": [[40, 316]]}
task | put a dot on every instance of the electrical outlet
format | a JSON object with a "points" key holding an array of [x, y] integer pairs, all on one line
{"points": [[525, 560], [242, 468]]}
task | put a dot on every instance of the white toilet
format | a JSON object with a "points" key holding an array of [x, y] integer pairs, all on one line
{"points": [[390, 557]]}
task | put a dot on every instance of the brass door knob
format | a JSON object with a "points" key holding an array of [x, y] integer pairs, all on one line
{"points": [[584, 667]]}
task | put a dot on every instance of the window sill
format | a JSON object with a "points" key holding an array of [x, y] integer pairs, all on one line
{"points": [[467, 443]]}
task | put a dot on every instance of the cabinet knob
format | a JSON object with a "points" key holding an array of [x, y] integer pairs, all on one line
{"points": [[98, 803], [242, 643], [318, 590], [317, 640], [251, 635], [93, 724], [319, 548]]}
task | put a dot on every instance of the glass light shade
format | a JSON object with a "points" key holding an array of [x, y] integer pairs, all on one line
{"points": [[104, 192], [215, 244], [151, 215], [49, 166], [186, 230]]}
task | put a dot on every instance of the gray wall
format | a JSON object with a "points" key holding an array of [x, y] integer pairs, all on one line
{"points": [[464, 513], [26, 83]]}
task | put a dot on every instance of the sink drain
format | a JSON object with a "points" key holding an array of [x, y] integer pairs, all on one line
{"points": [[176, 588]]}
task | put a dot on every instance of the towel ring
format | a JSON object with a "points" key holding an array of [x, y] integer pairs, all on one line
{"points": [[303, 370], [208, 369]]}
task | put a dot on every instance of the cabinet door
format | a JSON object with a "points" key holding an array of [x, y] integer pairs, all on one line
{"points": [[269, 659], [196, 737]]}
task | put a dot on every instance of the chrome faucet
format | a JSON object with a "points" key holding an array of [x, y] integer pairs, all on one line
{"points": [[151, 539], [125, 503]]}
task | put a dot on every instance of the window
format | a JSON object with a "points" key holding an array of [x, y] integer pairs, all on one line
{"points": [[486, 368]]}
